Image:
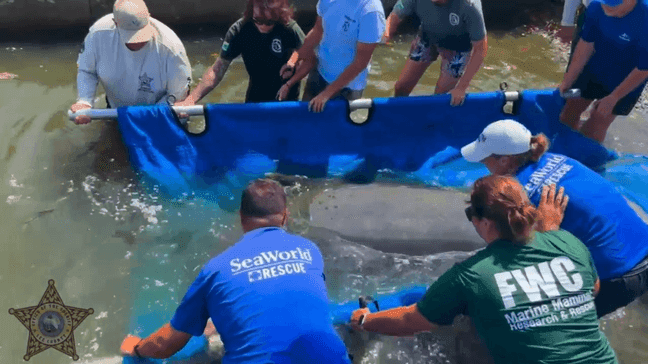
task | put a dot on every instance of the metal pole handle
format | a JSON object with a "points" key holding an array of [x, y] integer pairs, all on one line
{"points": [[199, 109]]}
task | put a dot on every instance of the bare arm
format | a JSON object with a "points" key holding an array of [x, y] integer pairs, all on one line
{"points": [[582, 54], [393, 20], [477, 56], [303, 67], [305, 52], [212, 77], [401, 321], [161, 344], [597, 287], [312, 40], [634, 79], [360, 62]]}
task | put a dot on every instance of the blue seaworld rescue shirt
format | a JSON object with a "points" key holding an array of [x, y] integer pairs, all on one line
{"points": [[597, 213], [267, 298]]}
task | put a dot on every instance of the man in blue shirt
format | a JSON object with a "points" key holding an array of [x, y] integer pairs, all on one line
{"points": [[252, 291], [616, 73], [342, 41]]}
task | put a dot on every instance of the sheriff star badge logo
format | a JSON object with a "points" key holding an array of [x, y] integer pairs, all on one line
{"points": [[51, 324]]}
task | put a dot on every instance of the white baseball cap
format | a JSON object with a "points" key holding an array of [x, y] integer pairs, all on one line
{"points": [[133, 21], [504, 137]]}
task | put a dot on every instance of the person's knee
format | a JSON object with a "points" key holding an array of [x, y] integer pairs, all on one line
{"points": [[445, 84], [402, 88]]}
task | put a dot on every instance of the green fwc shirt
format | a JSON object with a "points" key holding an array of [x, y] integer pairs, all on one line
{"points": [[530, 304]]}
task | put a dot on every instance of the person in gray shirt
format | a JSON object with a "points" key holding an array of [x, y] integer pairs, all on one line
{"points": [[453, 29]]}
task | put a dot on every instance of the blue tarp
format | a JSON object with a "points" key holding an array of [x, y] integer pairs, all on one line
{"points": [[416, 139], [411, 134]]}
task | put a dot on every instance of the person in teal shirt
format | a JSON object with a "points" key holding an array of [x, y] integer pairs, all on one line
{"points": [[529, 293]]}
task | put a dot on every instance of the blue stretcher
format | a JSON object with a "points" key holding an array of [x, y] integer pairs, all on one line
{"points": [[416, 139]]}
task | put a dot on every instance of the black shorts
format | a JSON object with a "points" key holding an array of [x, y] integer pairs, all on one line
{"points": [[316, 84], [592, 89], [619, 292]]}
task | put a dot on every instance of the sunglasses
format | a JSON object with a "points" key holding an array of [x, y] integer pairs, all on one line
{"points": [[471, 212], [266, 22]]}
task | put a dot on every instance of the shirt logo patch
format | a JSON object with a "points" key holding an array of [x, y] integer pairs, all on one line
{"points": [[276, 45], [454, 19], [624, 37], [273, 264], [552, 172], [533, 286], [347, 23], [145, 83], [225, 46]]}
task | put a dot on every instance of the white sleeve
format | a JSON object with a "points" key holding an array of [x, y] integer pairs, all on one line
{"points": [[87, 78], [179, 74], [569, 12]]}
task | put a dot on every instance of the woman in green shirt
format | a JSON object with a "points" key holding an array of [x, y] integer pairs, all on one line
{"points": [[530, 292]]}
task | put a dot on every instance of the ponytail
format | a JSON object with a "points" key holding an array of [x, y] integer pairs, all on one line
{"points": [[539, 146], [520, 223]]}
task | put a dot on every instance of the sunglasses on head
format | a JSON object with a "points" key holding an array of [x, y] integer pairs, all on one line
{"points": [[266, 22]]}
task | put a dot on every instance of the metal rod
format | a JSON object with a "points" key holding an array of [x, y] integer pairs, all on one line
{"points": [[199, 109]]}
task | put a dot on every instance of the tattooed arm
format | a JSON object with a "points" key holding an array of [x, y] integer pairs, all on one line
{"points": [[209, 81]]}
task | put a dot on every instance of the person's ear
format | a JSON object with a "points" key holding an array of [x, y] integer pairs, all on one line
{"points": [[504, 160]]}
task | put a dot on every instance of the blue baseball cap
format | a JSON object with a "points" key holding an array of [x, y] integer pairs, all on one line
{"points": [[611, 2]]}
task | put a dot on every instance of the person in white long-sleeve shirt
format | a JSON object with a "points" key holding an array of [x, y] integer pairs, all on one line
{"points": [[137, 59]]}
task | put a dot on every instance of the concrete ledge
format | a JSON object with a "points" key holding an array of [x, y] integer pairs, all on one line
{"points": [[18, 16]]}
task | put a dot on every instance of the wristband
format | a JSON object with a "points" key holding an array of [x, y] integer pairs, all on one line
{"points": [[137, 354]]}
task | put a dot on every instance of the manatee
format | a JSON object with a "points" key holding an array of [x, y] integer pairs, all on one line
{"points": [[397, 219]]}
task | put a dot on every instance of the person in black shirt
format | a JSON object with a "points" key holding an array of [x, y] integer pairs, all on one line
{"points": [[266, 37]]}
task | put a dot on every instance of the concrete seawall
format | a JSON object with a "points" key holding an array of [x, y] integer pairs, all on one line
{"points": [[29, 16]]}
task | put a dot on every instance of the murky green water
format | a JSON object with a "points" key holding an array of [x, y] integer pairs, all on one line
{"points": [[72, 212]]}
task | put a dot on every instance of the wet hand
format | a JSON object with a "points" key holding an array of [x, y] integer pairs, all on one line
{"points": [[81, 119], [551, 209], [128, 345], [283, 92], [287, 71], [457, 96], [563, 87], [605, 106], [317, 104], [355, 318], [186, 102]]}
